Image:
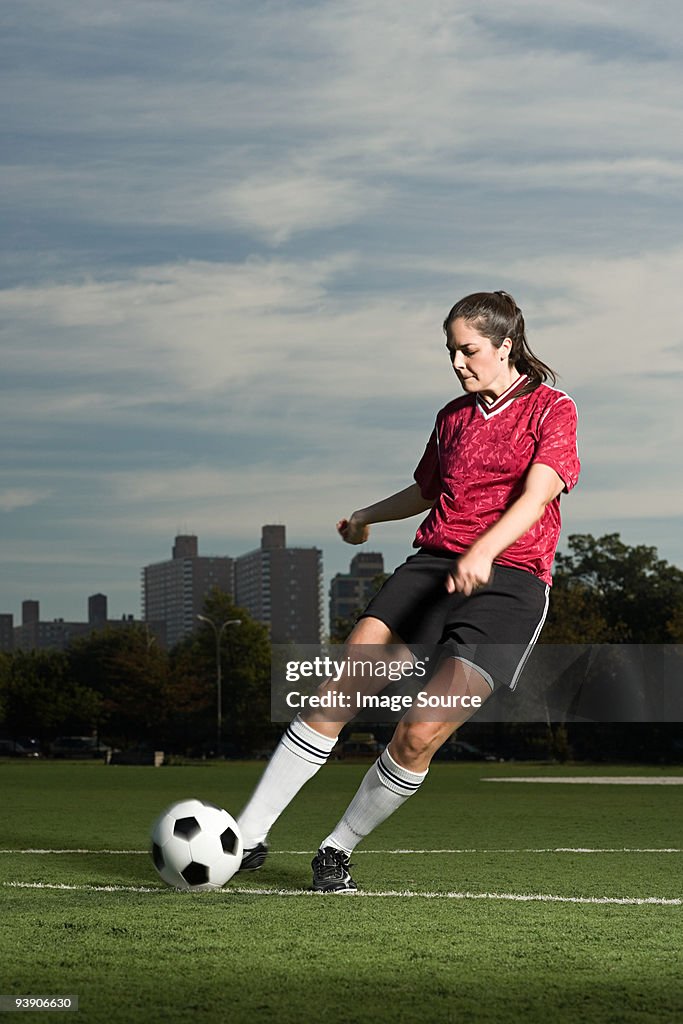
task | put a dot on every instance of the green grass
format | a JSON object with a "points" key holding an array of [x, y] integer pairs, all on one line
{"points": [[237, 956]]}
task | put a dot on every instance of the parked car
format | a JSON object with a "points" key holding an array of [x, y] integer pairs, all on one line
{"points": [[359, 744], [19, 748], [78, 747]]}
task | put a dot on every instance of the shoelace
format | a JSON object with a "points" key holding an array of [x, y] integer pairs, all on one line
{"points": [[332, 864]]}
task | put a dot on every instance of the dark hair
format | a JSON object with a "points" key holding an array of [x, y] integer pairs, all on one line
{"points": [[497, 316]]}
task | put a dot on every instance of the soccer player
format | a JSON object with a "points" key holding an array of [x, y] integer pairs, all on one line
{"points": [[490, 481]]}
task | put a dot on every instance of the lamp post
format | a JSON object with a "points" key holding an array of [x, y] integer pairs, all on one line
{"points": [[218, 633]]}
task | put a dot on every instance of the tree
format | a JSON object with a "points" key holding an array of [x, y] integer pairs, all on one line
{"points": [[42, 699], [129, 671], [576, 616], [608, 592], [245, 665], [674, 626]]}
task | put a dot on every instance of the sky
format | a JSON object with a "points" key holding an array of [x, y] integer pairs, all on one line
{"points": [[231, 232]]}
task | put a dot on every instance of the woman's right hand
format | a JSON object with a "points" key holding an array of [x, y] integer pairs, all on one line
{"points": [[353, 530]]}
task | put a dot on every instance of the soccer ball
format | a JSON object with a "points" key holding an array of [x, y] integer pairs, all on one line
{"points": [[196, 846]]}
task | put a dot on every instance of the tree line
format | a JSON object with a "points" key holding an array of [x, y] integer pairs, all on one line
{"points": [[604, 592], [122, 686]]}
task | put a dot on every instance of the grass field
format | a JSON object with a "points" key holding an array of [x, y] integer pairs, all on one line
{"points": [[454, 922]]}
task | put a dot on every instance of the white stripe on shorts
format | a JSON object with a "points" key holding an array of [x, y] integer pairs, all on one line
{"points": [[525, 657], [532, 642]]}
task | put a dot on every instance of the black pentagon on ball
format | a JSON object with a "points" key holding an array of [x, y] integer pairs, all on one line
{"points": [[157, 856], [195, 874], [187, 828], [229, 841]]}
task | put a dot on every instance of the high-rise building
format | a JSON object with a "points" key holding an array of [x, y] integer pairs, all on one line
{"points": [[174, 591], [281, 587], [6, 632], [350, 591], [97, 610], [27, 636], [35, 634]]}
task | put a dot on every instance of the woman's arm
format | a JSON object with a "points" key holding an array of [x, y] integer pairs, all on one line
{"points": [[402, 505], [542, 485]]}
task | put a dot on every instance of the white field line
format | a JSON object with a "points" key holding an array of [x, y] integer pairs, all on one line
{"points": [[594, 780], [83, 888], [398, 852], [631, 901], [555, 849], [45, 852]]}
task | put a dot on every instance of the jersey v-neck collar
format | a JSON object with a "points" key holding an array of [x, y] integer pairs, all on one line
{"points": [[489, 409]]}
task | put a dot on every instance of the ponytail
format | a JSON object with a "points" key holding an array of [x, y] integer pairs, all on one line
{"points": [[497, 316]]}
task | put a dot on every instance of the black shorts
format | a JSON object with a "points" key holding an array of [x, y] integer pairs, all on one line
{"points": [[493, 630]]}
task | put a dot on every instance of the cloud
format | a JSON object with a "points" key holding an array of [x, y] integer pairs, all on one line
{"points": [[203, 328], [278, 206], [12, 498], [626, 503], [276, 123], [267, 327], [277, 375], [233, 232]]}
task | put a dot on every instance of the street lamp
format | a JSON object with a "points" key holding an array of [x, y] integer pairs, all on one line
{"points": [[218, 633]]}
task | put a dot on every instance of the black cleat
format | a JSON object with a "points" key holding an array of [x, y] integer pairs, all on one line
{"points": [[331, 872], [253, 859]]}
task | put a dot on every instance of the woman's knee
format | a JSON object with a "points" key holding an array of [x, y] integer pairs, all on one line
{"points": [[414, 743]]}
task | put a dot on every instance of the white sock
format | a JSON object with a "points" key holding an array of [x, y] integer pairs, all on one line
{"points": [[384, 789], [296, 759]]}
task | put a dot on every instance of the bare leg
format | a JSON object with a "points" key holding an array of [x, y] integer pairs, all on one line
{"points": [[401, 768], [368, 631], [303, 750], [416, 740]]}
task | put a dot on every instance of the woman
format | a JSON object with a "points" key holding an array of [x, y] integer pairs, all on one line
{"points": [[490, 478]]}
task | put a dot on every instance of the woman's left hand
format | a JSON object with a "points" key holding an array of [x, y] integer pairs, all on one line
{"points": [[472, 570]]}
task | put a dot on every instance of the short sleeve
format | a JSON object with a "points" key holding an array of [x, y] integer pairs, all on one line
{"points": [[557, 446], [428, 473]]}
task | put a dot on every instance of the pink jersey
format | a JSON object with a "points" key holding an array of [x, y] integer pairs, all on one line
{"points": [[475, 463]]}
